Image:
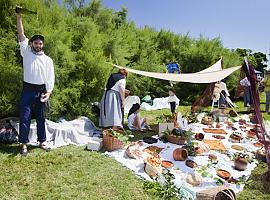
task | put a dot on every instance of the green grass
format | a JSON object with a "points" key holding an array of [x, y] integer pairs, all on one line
{"points": [[65, 173], [259, 189], [72, 173]]}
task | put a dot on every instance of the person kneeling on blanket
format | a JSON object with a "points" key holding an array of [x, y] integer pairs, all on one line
{"points": [[135, 122]]}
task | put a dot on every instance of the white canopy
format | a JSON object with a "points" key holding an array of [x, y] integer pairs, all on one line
{"points": [[212, 74], [215, 67]]}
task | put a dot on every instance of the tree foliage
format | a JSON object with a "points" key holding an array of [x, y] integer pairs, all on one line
{"points": [[81, 37]]}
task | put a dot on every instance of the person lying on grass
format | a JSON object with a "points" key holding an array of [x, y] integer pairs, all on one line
{"points": [[135, 122]]}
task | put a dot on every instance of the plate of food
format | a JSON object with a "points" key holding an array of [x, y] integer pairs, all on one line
{"points": [[153, 150], [220, 137], [214, 130], [237, 147], [215, 145]]}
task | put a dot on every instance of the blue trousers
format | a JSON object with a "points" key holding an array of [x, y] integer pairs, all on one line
{"points": [[267, 101], [247, 96], [30, 99]]}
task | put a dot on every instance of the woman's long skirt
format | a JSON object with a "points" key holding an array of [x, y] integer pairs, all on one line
{"points": [[111, 113]]}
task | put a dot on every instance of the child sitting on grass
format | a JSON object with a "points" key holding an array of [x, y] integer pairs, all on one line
{"points": [[135, 122]]}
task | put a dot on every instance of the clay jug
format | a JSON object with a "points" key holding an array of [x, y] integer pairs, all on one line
{"points": [[180, 154]]}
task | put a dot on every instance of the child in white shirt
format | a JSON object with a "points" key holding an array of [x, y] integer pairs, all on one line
{"points": [[173, 101], [135, 122]]}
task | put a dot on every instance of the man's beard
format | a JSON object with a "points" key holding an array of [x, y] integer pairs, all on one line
{"points": [[37, 49]]}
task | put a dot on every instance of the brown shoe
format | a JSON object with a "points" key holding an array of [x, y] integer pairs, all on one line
{"points": [[23, 151]]}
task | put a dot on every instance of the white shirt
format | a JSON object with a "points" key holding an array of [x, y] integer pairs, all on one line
{"points": [[37, 69], [223, 86], [131, 120], [173, 99], [119, 84], [245, 82]]}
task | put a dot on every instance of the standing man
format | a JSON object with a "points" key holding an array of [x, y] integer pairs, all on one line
{"points": [[266, 82], [38, 83], [247, 95]]}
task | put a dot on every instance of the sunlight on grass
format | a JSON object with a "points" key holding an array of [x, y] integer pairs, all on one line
{"points": [[72, 173]]}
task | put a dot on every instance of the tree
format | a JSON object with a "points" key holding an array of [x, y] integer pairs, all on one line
{"points": [[80, 37]]}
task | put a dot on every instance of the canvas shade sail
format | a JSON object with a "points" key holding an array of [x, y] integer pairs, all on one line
{"points": [[215, 67], [204, 76]]}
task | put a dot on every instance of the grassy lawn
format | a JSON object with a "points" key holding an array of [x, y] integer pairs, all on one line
{"points": [[65, 173], [73, 173]]}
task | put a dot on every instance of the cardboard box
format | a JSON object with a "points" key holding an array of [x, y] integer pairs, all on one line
{"points": [[162, 127], [95, 144]]}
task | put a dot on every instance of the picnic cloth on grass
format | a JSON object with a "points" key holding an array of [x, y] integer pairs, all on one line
{"points": [[180, 170], [76, 132]]}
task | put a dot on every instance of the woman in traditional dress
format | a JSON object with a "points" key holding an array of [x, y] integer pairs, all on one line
{"points": [[112, 107], [135, 122]]}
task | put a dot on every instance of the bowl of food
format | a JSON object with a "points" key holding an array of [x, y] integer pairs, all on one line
{"points": [[152, 166], [251, 134], [212, 157], [235, 137], [258, 144], [219, 137], [191, 164], [223, 174], [167, 164]]}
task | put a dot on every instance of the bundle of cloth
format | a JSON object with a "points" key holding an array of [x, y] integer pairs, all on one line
{"points": [[76, 132]]}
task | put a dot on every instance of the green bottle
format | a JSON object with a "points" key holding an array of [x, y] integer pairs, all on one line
{"points": [[19, 9]]}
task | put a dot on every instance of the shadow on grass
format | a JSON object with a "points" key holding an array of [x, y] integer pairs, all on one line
{"points": [[13, 149], [141, 135]]}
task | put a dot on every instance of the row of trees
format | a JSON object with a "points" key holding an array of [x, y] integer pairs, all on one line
{"points": [[80, 38]]}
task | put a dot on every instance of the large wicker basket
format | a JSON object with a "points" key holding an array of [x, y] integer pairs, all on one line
{"points": [[111, 143], [217, 193], [176, 139]]}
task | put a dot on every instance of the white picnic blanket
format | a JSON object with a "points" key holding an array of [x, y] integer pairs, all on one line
{"points": [[158, 103], [76, 132], [180, 170]]}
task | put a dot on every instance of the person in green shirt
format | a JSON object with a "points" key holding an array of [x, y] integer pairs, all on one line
{"points": [[266, 82]]}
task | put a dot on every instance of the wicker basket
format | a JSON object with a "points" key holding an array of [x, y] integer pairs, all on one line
{"points": [[217, 193], [176, 139], [111, 143]]}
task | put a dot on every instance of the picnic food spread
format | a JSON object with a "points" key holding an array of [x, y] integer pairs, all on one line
{"points": [[210, 154]]}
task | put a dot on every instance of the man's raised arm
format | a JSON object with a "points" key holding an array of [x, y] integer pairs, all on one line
{"points": [[20, 27]]}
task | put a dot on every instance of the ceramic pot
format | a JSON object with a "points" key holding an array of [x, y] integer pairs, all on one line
{"points": [[240, 163], [260, 155], [191, 164], [207, 120], [194, 179], [180, 154], [212, 157], [199, 136]]}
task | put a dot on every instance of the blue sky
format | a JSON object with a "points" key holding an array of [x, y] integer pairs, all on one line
{"points": [[238, 23]]}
